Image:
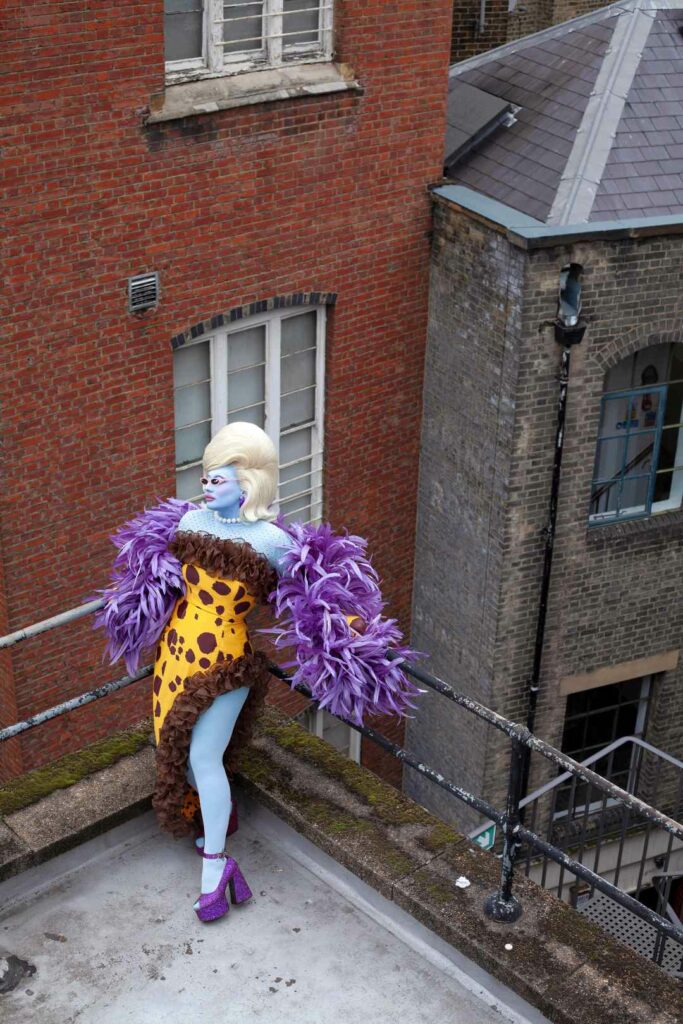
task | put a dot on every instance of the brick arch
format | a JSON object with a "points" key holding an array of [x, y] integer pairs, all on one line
{"points": [[626, 344], [238, 313]]}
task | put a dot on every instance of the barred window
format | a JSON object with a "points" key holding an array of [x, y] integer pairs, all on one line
{"points": [[269, 370], [214, 37], [639, 457]]}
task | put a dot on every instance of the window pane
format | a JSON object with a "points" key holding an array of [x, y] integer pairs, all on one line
{"points": [[297, 371], [297, 510], [620, 377], [618, 415], [646, 410], [243, 28], [301, 25], [295, 446], [669, 487], [639, 452], [183, 29], [651, 365], [634, 495], [187, 483], [256, 414], [297, 408], [192, 404], [668, 447], [245, 387], [337, 733], [246, 348], [611, 458], [676, 368], [190, 442], [298, 332], [191, 364], [674, 401]]}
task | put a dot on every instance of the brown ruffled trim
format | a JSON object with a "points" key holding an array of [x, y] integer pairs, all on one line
{"points": [[227, 559], [200, 691]]}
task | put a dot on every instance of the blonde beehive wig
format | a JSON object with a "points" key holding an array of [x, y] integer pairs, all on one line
{"points": [[249, 449]]}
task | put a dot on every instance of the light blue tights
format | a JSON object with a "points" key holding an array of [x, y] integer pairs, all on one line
{"points": [[210, 737]]}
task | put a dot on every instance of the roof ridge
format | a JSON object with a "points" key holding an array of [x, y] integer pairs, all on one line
{"points": [[601, 14], [595, 135]]}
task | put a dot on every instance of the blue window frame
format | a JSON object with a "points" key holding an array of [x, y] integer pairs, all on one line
{"points": [[639, 456]]}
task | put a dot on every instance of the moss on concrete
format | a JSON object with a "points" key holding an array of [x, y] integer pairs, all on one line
{"points": [[29, 788], [387, 803]]}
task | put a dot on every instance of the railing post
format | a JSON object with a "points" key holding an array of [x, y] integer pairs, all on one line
{"points": [[502, 905]]}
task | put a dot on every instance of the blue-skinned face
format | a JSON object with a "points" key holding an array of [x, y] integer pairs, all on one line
{"points": [[222, 491]]}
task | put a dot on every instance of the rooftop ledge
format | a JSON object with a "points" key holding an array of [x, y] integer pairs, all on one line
{"points": [[528, 233], [208, 95], [560, 963]]}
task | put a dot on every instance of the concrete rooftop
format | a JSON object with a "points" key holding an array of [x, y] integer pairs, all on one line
{"points": [[110, 930]]}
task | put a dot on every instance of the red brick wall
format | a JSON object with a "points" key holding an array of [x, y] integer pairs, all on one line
{"points": [[319, 193]]}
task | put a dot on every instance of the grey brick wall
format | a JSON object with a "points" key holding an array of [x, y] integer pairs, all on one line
{"points": [[470, 382], [488, 437]]}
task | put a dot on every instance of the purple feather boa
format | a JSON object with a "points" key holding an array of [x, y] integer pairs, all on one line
{"points": [[146, 581], [325, 578]]}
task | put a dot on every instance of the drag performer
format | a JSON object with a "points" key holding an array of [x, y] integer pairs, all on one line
{"points": [[184, 580]]}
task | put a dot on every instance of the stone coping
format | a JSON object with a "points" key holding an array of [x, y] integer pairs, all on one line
{"points": [[558, 961]]}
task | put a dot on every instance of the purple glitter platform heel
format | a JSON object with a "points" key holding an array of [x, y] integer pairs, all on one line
{"points": [[213, 905]]}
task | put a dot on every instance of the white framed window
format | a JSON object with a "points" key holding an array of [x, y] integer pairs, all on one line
{"points": [[339, 734], [268, 370], [221, 37]]}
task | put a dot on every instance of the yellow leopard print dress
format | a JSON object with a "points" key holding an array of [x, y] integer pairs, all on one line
{"points": [[203, 652]]}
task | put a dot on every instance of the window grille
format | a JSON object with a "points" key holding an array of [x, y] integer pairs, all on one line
{"points": [[217, 37], [639, 456], [268, 371]]}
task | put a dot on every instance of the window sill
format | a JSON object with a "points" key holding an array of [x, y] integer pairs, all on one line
{"points": [[669, 522], [211, 94]]}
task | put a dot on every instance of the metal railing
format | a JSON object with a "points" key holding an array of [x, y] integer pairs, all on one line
{"points": [[613, 841], [517, 838]]}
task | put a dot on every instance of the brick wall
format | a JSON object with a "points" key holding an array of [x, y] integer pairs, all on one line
{"points": [[469, 401], [488, 441], [534, 15], [314, 194], [616, 590], [468, 36]]}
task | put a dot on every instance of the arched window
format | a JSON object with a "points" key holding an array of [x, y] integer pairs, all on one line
{"points": [[639, 458]]}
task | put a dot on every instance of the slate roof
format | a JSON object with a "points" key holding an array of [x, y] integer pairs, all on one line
{"points": [[599, 135]]}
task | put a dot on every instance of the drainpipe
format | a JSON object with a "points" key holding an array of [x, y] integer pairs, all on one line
{"points": [[569, 330]]}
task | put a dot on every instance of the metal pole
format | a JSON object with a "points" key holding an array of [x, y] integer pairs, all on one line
{"points": [[75, 702], [502, 905], [532, 693], [57, 620]]}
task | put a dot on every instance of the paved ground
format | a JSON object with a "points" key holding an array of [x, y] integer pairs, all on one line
{"points": [[114, 938]]}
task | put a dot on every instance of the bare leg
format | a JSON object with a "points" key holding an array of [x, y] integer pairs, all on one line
{"points": [[210, 737]]}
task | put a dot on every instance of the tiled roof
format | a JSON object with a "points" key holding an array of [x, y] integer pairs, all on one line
{"points": [[599, 135]]}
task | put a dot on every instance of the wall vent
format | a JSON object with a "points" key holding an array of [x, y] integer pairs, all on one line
{"points": [[143, 292]]}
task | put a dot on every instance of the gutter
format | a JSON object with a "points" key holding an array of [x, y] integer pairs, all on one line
{"points": [[527, 233]]}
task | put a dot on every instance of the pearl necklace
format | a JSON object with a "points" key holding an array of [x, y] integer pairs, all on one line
{"points": [[223, 519]]}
